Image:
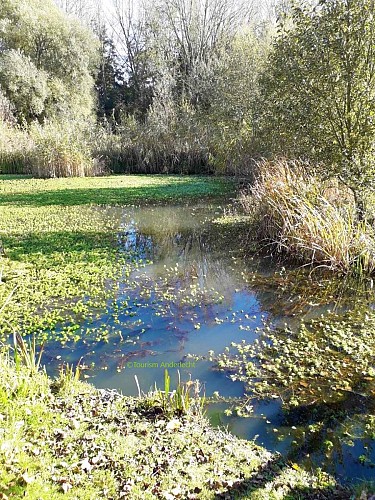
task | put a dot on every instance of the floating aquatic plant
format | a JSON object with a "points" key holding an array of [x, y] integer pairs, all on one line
{"points": [[320, 361]]}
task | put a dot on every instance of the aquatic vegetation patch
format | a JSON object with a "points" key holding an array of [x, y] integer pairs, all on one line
{"points": [[63, 256], [321, 360], [61, 264], [109, 190], [323, 432], [323, 373]]}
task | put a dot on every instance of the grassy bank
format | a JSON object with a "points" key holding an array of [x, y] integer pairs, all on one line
{"points": [[63, 438], [60, 250]]}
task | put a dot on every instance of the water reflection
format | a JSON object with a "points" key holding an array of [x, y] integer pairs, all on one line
{"points": [[196, 293]]}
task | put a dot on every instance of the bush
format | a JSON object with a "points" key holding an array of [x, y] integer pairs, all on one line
{"points": [[298, 215]]}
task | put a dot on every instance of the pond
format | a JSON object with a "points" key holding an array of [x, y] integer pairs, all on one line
{"points": [[193, 290]]}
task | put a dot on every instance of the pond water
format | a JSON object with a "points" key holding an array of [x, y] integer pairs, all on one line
{"points": [[194, 291]]}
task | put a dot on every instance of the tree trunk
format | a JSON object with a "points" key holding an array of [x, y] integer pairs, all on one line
{"points": [[360, 206]]}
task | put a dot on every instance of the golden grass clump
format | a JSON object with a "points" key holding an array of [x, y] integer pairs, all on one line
{"points": [[313, 222], [60, 151], [15, 148]]}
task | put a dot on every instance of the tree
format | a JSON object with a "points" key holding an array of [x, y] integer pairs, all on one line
{"points": [[85, 10], [234, 96], [47, 61], [319, 90], [25, 84], [109, 82], [132, 38], [191, 35]]}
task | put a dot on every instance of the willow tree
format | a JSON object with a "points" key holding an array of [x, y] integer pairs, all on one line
{"points": [[319, 90], [47, 61]]}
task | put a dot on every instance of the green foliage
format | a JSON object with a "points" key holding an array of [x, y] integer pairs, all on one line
{"points": [[170, 103], [68, 382], [185, 100], [183, 399], [46, 61], [24, 83], [25, 192], [319, 93], [181, 136], [109, 80], [234, 98], [83, 444]]}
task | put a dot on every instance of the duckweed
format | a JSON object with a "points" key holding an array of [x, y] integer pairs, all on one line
{"points": [[322, 360]]}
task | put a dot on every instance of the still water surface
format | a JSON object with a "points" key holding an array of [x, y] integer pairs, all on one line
{"points": [[190, 295]]}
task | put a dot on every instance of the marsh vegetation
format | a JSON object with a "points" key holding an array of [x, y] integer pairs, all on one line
{"points": [[126, 290], [251, 282]]}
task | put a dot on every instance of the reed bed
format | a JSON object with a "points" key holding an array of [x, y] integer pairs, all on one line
{"points": [[297, 215]]}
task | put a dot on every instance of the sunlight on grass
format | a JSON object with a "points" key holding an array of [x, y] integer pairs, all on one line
{"points": [[113, 190]]}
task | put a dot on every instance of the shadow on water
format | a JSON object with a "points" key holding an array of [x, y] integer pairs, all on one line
{"points": [[332, 415]]}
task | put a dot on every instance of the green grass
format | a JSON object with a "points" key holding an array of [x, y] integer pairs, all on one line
{"points": [[64, 439], [112, 190], [11, 177]]}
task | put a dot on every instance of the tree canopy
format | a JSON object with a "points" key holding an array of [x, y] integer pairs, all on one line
{"points": [[319, 88], [47, 60]]}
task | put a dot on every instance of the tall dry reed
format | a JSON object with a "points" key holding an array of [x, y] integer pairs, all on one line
{"points": [[298, 215]]}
